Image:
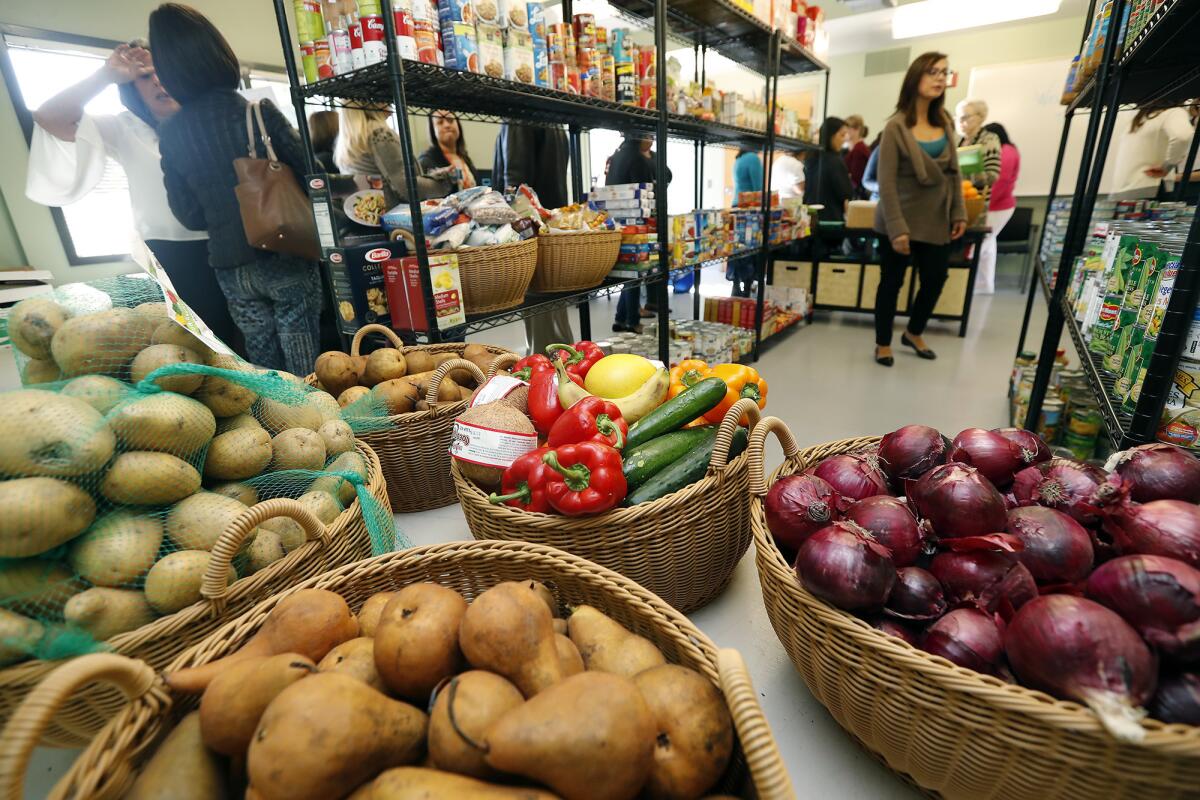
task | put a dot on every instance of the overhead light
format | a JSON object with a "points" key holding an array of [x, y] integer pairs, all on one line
{"points": [[939, 16]]}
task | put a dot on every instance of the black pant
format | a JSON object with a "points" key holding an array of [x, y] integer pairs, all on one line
{"points": [[932, 264], [186, 264]]}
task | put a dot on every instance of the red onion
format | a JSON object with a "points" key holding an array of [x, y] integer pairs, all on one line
{"points": [[1034, 449], [969, 638], [853, 475], [1077, 649], [958, 501], [917, 596], [911, 451], [1177, 699], [893, 628], [797, 507], [1158, 596], [892, 524], [1060, 483], [1055, 548], [1162, 527], [993, 578], [844, 565], [990, 453], [1158, 472]]}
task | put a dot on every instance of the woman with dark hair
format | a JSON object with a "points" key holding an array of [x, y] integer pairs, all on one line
{"points": [[447, 148], [857, 151], [323, 128], [747, 177], [274, 299], [1156, 144], [1002, 202], [69, 151], [920, 207], [827, 173]]}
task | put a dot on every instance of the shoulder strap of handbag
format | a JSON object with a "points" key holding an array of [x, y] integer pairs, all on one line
{"points": [[253, 112]]}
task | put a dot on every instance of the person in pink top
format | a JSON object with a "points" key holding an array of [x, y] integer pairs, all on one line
{"points": [[1001, 205]]}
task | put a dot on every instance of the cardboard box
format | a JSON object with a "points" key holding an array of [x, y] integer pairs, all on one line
{"points": [[541, 64], [356, 275], [861, 214], [536, 18], [514, 14], [491, 50], [459, 48], [519, 63], [403, 280]]}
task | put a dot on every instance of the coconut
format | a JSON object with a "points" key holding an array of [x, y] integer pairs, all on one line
{"points": [[497, 418]]}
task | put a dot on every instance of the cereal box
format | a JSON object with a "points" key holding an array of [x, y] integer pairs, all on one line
{"points": [[518, 56], [454, 11], [403, 278], [491, 51], [459, 47], [513, 14], [541, 65], [537, 21], [487, 12]]}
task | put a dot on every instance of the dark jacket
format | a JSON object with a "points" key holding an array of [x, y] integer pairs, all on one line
{"points": [[433, 159], [628, 165], [198, 146], [534, 156], [834, 188]]}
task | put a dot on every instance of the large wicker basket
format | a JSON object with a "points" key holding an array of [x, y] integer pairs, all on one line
{"points": [[414, 448], [107, 767], [569, 262], [683, 547], [951, 731], [495, 277], [158, 643]]}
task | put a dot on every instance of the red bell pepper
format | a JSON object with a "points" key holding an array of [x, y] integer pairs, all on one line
{"points": [[528, 365], [544, 407], [578, 358], [592, 419], [585, 478], [524, 483]]}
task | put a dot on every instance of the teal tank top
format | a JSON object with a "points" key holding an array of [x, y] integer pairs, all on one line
{"points": [[934, 148]]}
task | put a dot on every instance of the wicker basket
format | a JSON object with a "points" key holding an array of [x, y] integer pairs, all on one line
{"points": [[107, 767], [414, 449], [568, 262], [158, 643], [951, 731], [495, 277], [683, 547]]}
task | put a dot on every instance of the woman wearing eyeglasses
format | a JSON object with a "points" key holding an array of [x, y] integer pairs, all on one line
{"points": [[920, 207], [969, 118]]}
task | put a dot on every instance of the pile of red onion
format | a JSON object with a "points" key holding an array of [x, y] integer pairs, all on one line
{"points": [[1078, 581]]}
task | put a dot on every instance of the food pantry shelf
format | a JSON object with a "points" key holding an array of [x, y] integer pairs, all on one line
{"points": [[1116, 423], [1169, 38]]}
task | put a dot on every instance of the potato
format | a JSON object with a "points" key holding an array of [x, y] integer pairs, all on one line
{"points": [[167, 422], [277, 416], [101, 343], [197, 522], [143, 478], [238, 454], [244, 493], [396, 396], [265, 550], [163, 355], [117, 549], [18, 636], [298, 448], [156, 311], [38, 586], [39, 514], [352, 394], [323, 505], [448, 391], [340, 487], [174, 582], [171, 332], [223, 396], [226, 424], [43, 433], [480, 356], [98, 391], [419, 361], [291, 533], [384, 364], [336, 372], [37, 371], [104, 613], [32, 323], [338, 437]]}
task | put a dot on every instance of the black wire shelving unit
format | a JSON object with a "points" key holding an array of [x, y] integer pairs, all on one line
{"points": [[1161, 64], [416, 87]]}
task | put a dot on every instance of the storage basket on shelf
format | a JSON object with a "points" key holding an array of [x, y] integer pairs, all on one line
{"points": [[950, 730], [683, 547], [575, 261], [495, 277], [414, 448], [346, 540], [107, 768]]}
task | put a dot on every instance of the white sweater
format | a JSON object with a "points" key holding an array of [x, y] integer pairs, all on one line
{"points": [[1162, 141]]}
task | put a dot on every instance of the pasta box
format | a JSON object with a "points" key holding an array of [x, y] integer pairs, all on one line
{"points": [[356, 276], [403, 281]]}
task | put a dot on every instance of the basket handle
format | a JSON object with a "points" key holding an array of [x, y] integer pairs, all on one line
{"points": [[501, 362], [435, 382], [733, 417], [214, 586], [758, 446], [767, 771], [24, 729], [362, 332]]}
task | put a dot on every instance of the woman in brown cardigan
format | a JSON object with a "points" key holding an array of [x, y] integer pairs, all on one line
{"points": [[920, 207]]}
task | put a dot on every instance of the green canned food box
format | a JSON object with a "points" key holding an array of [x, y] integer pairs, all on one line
{"points": [[1121, 334], [1103, 330]]}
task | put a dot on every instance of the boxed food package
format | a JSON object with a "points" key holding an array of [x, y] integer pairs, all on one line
{"points": [[536, 18], [514, 14], [861, 214], [620, 191], [541, 65], [403, 279], [459, 48], [487, 12], [518, 56], [356, 276], [491, 50], [453, 11]]}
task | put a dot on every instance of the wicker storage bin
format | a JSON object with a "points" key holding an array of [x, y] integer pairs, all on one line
{"points": [[951, 731], [107, 767], [683, 547], [496, 277], [414, 448], [569, 262], [158, 643]]}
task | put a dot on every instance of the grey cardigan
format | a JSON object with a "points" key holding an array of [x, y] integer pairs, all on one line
{"points": [[918, 195]]}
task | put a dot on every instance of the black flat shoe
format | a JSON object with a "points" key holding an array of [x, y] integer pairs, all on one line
{"points": [[928, 355], [886, 361]]}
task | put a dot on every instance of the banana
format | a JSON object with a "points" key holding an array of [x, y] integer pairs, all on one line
{"points": [[569, 392], [649, 396]]}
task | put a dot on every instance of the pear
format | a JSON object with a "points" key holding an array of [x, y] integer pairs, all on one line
{"points": [[236, 699], [416, 639], [462, 713], [355, 658], [368, 615], [182, 768], [607, 646], [568, 655], [588, 736], [508, 630]]}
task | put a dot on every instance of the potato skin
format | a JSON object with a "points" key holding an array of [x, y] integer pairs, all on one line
{"points": [[143, 478], [173, 583], [297, 448], [167, 422], [45, 433], [238, 454], [162, 355], [197, 522], [40, 514], [32, 324], [98, 391], [18, 636], [117, 549], [336, 372], [101, 343]]}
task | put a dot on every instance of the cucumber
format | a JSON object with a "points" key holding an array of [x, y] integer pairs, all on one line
{"points": [[647, 460], [685, 471], [677, 412]]}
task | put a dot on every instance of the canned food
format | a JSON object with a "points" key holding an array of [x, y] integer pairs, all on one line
{"points": [[406, 43], [1181, 428], [1051, 419], [558, 76], [426, 40], [1085, 421], [1191, 342], [357, 57], [310, 25], [374, 46], [308, 61], [585, 30], [1082, 447], [339, 51], [323, 58], [574, 80], [371, 8]]}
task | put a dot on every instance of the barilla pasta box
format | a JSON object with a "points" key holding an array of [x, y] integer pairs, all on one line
{"points": [[403, 281], [356, 275]]}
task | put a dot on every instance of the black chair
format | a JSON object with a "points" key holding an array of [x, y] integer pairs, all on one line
{"points": [[1019, 237]]}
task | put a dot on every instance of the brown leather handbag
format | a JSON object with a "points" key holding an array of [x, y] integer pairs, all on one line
{"points": [[276, 213]]}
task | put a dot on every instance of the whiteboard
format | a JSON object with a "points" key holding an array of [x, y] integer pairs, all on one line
{"points": [[1025, 98]]}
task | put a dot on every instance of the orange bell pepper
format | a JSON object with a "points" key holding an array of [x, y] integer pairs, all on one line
{"points": [[742, 381]]}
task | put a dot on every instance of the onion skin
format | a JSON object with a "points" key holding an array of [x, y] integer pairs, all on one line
{"points": [[1062, 484], [893, 628], [958, 501], [987, 578], [911, 451], [1162, 527], [1177, 699], [969, 638], [843, 565], [797, 507], [996, 458], [1034, 449], [893, 525], [916, 596], [853, 475], [1076, 649], [1056, 548], [1159, 472], [1158, 596]]}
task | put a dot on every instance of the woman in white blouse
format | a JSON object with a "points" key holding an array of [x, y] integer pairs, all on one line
{"points": [[1155, 145], [67, 159]]}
